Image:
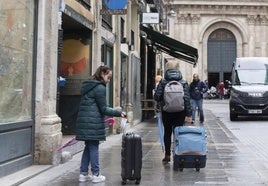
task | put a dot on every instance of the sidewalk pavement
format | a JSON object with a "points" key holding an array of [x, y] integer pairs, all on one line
{"points": [[226, 164]]}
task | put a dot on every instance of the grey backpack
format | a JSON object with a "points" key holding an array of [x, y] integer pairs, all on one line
{"points": [[173, 97]]}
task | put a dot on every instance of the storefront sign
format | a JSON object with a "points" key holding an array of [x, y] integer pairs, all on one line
{"points": [[150, 18]]}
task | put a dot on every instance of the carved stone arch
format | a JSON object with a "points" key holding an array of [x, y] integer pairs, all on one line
{"points": [[232, 25], [239, 35]]}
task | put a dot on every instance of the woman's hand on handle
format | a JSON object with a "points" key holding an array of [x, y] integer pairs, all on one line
{"points": [[123, 115]]}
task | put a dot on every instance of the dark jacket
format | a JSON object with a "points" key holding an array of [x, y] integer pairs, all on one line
{"points": [[93, 107], [197, 89], [174, 75]]}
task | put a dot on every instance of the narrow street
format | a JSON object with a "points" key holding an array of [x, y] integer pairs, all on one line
{"points": [[232, 160]]}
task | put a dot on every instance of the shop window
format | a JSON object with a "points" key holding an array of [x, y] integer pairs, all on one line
{"points": [[16, 60]]}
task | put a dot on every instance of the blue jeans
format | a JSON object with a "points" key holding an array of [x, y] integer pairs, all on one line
{"points": [[90, 155], [197, 104]]}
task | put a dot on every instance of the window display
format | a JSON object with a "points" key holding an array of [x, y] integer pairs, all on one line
{"points": [[16, 60]]}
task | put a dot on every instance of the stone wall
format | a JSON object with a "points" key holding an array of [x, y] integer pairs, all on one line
{"points": [[196, 20]]}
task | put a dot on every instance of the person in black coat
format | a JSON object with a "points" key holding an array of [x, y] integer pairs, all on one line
{"points": [[90, 122], [172, 119], [197, 89]]}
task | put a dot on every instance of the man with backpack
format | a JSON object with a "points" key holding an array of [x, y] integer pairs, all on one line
{"points": [[173, 94], [197, 89]]}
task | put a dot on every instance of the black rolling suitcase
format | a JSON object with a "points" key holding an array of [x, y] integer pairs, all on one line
{"points": [[131, 158]]}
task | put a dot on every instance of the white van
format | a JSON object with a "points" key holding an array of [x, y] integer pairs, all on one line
{"points": [[249, 92]]}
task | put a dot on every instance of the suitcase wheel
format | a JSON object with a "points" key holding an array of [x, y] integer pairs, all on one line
{"points": [[197, 164], [137, 182], [175, 166], [181, 164], [124, 182], [178, 166]]}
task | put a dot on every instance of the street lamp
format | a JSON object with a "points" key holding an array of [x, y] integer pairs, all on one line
{"points": [[169, 12]]}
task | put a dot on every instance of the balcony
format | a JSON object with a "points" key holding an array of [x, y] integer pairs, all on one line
{"points": [[85, 3]]}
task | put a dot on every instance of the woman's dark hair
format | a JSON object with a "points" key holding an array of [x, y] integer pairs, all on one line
{"points": [[101, 69]]}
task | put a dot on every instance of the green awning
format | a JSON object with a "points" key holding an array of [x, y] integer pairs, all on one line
{"points": [[171, 46]]}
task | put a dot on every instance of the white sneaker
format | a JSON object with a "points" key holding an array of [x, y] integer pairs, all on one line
{"points": [[84, 178], [97, 179]]}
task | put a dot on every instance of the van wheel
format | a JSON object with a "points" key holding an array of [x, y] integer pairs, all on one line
{"points": [[233, 117]]}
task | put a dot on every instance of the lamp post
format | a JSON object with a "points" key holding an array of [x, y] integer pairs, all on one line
{"points": [[169, 12]]}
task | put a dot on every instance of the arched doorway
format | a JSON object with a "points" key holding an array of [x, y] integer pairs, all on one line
{"points": [[221, 54]]}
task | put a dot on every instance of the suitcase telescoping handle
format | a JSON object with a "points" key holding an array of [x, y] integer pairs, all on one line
{"points": [[189, 130], [195, 132]]}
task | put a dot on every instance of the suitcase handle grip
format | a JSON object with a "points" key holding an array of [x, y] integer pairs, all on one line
{"points": [[195, 132]]}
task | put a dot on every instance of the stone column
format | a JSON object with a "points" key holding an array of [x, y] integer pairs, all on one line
{"points": [[188, 29], [129, 66], [180, 35], [189, 41], [258, 36], [48, 134], [181, 31], [117, 70], [96, 40], [117, 62], [251, 40], [263, 44], [201, 65]]}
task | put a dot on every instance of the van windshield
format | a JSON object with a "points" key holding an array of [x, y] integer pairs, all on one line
{"points": [[251, 77]]}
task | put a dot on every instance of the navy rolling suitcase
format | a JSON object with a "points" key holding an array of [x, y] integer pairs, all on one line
{"points": [[190, 149], [131, 158]]}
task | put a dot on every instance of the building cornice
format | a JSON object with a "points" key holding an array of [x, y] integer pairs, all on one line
{"points": [[191, 13], [221, 9], [222, 2]]}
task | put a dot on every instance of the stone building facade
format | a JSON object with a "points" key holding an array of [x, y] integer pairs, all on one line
{"points": [[221, 31]]}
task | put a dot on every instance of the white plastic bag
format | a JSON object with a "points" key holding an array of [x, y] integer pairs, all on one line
{"points": [[123, 125]]}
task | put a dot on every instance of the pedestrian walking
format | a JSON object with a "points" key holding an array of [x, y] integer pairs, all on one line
{"points": [[197, 89], [221, 90], [156, 104], [177, 118], [90, 126], [205, 95], [227, 86]]}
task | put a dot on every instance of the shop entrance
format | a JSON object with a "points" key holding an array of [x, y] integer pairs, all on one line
{"points": [[74, 67]]}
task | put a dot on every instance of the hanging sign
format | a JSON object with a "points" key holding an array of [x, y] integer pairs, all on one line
{"points": [[150, 18]]}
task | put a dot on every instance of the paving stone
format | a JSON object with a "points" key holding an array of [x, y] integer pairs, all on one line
{"points": [[227, 162]]}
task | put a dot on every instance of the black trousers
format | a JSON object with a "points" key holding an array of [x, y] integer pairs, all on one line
{"points": [[170, 121]]}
